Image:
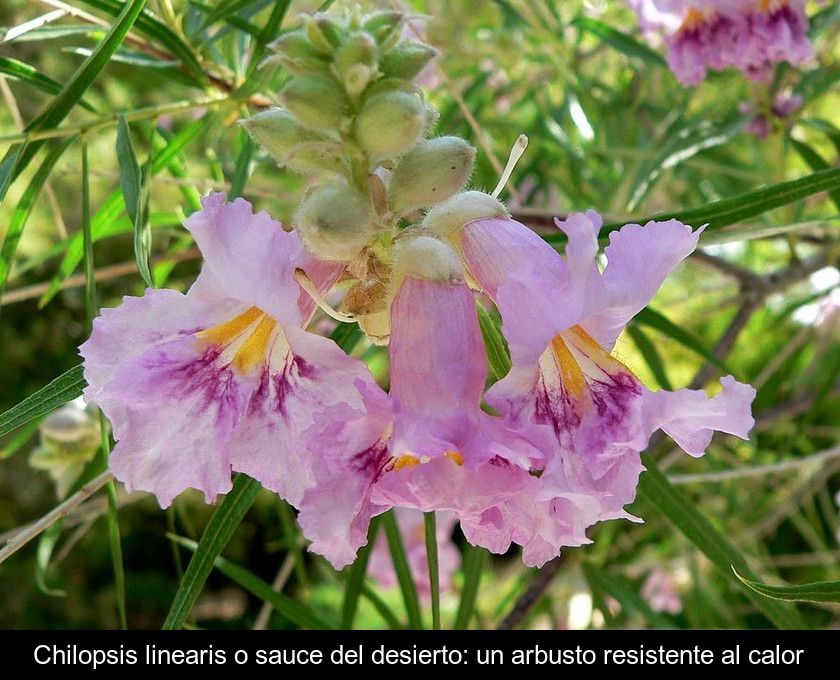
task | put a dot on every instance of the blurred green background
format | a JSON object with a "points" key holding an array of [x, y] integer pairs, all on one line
{"points": [[609, 128]]}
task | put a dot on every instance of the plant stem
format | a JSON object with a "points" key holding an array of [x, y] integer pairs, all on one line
{"points": [[434, 573]]}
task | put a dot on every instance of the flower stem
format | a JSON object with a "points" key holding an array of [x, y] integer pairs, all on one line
{"points": [[434, 574]]}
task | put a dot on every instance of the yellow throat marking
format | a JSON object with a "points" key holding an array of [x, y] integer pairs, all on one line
{"points": [[251, 330]]}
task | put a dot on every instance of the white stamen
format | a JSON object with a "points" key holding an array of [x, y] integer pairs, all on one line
{"points": [[311, 289], [515, 154]]}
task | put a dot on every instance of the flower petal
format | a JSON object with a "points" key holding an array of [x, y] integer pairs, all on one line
{"points": [[247, 257], [638, 261]]}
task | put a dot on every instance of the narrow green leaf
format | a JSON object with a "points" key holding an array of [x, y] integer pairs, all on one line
{"points": [[269, 31], [819, 591], [224, 10], [651, 356], [355, 583], [815, 162], [828, 129], [23, 210], [87, 240], [151, 27], [19, 70], [627, 596], [296, 612], [131, 183], [738, 208], [475, 558], [109, 211], [78, 84], [43, 556], [404, 577], [347, 336], [650, 317], [52, 32], [432, 558], [219, 529], [620, 41], [243, 166], [498, 355], [64, 388], [20, 439], [655, 488], [379, 604]]}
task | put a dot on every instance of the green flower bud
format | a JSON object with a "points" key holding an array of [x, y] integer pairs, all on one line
{"points": [[430, 173], [319, 157], [385, 26], [426, 257], [297, 53], [324, 32], [389, 124], [317, 103], [354, 63], [448, 217], [407, 59], [432, 118], [279, 132], [335, 222]]}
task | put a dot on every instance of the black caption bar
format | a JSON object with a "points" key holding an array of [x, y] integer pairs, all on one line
{"points": [[272, 650]]}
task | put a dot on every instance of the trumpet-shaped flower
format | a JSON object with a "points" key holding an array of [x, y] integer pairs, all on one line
{"points": [[566, 393], [225, 377], [750, 35]]}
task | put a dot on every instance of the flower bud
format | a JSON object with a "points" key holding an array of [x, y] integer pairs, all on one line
{"points": [[426, 257], [318, 157], [317, 103], [324, 32], [389, 124], [354, 63], [335, 222], [448, 217], [278, 131], [385, 26], [407, 59], [296, 52], [432, 117], [430, 173]]}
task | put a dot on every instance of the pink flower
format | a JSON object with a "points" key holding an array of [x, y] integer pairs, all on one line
{"points": [[225, 377], [750, 35], [583, 408], [660, 591], [413, 531]]}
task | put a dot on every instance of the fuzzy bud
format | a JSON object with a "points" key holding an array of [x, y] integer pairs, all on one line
{"points": [[448, 217], [335, 222], [426, 257], [324, 32], [354, 63], [407, 59], [327, 156], [297, 53], [385, 26], [317, 103], [389, 124], [430, 173], [278, 132]]}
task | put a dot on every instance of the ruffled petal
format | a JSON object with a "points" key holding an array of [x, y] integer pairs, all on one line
{"points": [[690, 418], [638, 261], [315, 407], [247, 257]]}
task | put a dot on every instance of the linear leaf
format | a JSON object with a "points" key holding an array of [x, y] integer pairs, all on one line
{"points": [[296, 612], [650, 317], [24, 209], [220, 528], [627, 596], [78, 84], [620, 41], [655, 488], [19, 70], [474, 560], [815, 162], [403, 571], [131, 183], [64, 388], [819, 591], [498, 356], [650, 354], [355, 583]]}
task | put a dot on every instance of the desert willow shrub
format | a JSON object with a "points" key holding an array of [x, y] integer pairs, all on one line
{"points": [[228, 377]]}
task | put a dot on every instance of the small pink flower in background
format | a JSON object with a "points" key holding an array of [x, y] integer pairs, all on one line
{"points": [[760, 124], [660, 592], [750, 35], [413, 531]]}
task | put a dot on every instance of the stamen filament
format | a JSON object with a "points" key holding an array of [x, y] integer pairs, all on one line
{"points": [[515, 154], [312, 290]]}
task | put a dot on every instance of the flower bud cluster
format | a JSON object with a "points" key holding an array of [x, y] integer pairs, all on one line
{"points": [[352, 120]]}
